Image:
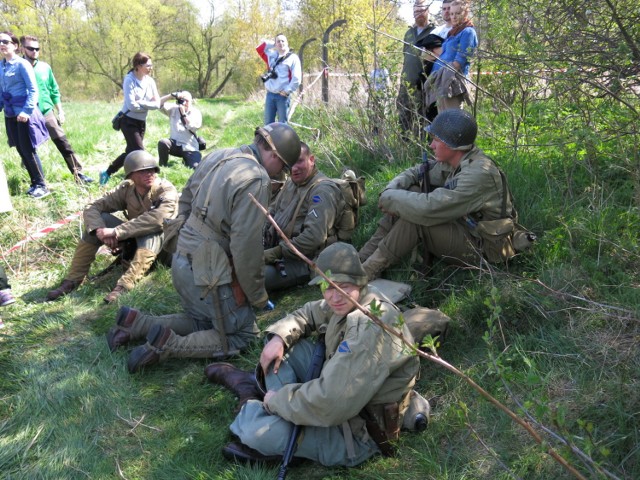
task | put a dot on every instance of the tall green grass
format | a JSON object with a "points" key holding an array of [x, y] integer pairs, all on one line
{"points": [[563, 343]]}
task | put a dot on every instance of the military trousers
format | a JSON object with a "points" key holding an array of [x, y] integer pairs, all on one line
{"points": [[448, 241], [269, 434], [195, 331], [286, 274]]}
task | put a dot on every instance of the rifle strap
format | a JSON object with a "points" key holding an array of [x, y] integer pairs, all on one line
{"points": [[348, 440]]}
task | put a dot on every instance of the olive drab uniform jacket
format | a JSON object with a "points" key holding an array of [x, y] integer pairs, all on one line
{"points": [[223, 225], [307, 214], [364, 366], [145, 215], [474, 189]]}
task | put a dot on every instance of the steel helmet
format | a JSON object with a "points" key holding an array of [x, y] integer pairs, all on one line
{"points": [[283, 139], [139, 160], [456, 128]]}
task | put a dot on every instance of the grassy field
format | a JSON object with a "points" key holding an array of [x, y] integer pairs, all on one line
{"points": [[554, 334]]}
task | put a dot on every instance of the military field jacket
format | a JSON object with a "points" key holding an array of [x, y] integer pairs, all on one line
{"points": [[315, 219], [363, 365], [230, 216], [145, 215], [474, 189]]}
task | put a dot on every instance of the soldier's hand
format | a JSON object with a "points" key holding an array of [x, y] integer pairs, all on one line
{"points": [[272, 352], [271, 255], [61, 117]]}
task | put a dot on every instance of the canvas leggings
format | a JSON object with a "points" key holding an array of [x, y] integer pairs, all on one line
{"points": [[269, 434], [195, 331]]}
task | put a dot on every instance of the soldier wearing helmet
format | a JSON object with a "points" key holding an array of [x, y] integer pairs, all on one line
{"points": [[146, 201], [218, 265], [461, 203]]}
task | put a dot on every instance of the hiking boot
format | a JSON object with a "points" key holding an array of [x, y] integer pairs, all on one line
{"points": [[149, 353], [66, 287], [6, 298], [120, 335], [115, 293], [40, 191], [242, 384], [239, 452]]}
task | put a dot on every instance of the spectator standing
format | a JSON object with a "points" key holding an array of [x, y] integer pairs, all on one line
{"points": [[184, 121], [48, 98], [146, 202], [24, 123], [443, 30], [140, 96], [447, 83], [410, 101], [282, 79]]}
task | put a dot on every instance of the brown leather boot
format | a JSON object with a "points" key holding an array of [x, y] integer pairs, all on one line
{"points": [[115, 293], [67, 286], [242, 384], [149, 353], [120, 335]]}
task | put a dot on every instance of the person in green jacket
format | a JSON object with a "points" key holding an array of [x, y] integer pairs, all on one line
{"points": [[364, 387], [48, 98]]}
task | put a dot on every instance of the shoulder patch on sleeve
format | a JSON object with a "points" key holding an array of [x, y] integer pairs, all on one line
{"points": [[344, 347], [316, 199]]}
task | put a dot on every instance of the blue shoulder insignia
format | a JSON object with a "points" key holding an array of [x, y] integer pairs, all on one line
{"points": [[344, 347]]}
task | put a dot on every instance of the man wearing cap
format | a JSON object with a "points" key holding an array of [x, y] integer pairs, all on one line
{"points": [[465, 194], [217, 268], [410, 101], [306, 210], [356, 406], [184, 120], [146, 201]]}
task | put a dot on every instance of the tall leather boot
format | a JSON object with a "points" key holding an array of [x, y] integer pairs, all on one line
{"points": [[376, 263], [242, 384], [83, 257]]}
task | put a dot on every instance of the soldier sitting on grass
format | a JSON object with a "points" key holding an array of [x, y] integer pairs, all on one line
{"points": [[146, 201]]}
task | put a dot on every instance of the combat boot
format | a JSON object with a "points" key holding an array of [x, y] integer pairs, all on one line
{"points": [[149, 353], [375, 264], [242, 384], [138, 266], [83, 257], [120, 334]]}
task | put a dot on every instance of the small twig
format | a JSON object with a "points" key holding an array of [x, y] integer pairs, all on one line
{"points": [[133, 423], [428, 356]]}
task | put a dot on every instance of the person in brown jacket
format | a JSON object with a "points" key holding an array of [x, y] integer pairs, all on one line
{"points": [[146, 202]]}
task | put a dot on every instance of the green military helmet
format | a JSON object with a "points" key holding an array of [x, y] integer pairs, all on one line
{"points": [[139, 160], [456, 128], [284, 140], [341, 259]]}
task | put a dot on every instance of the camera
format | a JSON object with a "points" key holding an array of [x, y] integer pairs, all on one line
{"points": [[269, 75], [179, 99]]}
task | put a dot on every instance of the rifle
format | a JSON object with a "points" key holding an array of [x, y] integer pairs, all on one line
{"points": [[313, 371]]}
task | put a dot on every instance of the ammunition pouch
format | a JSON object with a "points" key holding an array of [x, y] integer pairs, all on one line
{"points": [[497, 239]]}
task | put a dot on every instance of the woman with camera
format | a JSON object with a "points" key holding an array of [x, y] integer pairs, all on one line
{"points": [[140, 96], [282, 79], [185, 120]]}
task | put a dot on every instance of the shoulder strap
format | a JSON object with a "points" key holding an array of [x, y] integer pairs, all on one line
{"points": [[288, 230]]}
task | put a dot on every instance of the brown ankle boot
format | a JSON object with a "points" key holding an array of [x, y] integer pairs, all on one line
{"points": [[67, 286], [242, 384], [120, 335], [149, 353]]}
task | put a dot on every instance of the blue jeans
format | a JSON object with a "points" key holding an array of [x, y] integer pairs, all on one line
{"points": [[276, 103]]}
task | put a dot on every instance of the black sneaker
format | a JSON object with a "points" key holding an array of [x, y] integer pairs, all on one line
{"points": [[82, 178]]}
